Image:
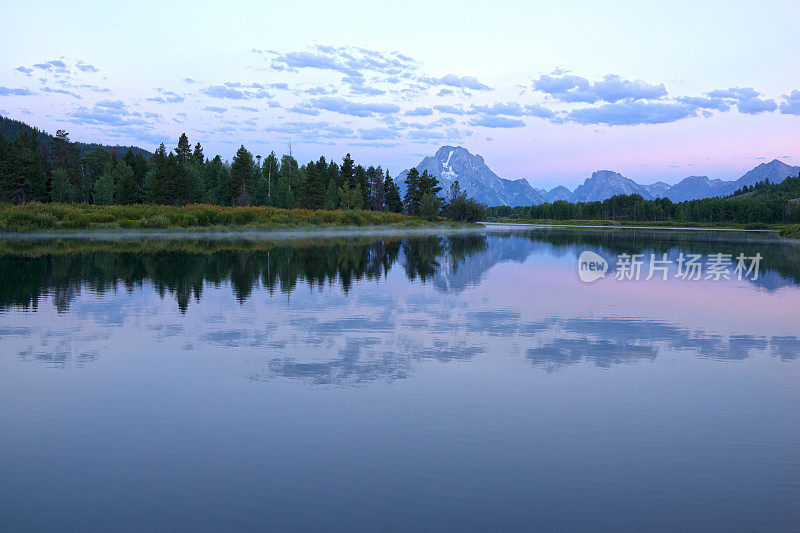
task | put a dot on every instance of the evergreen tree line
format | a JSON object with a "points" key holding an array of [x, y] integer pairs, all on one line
{"points": [[184, 175], [764, 202]]}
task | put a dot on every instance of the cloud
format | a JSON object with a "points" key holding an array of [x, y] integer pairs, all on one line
{"points": [[792, 104], [366, 91], [351, 61], [61, 91], [375, 134], [536, 110], [167, 97], [236, 91], [15, 91], [489, 121], [54, 65], [571, 88], [426, 135], [449, 109], [25, 70], [512, 109], [632, 113], [310, 129], [107, 113], [451, 80], [613, 89], [304, 109], [247, 108], [215, 109], [317, 91], [85, 67], [111, 104], [747, 99], [298, 60], [444, 92], [419, 112], [702, 102], [221, 91], [356, 109]]}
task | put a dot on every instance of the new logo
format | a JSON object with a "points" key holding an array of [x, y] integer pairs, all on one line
{"points": [[591, 266]]}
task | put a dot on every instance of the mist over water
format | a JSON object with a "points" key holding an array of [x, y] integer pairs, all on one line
{"points": [[423, 380]]}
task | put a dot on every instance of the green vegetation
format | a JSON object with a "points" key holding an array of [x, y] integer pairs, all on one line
{"points": [[36, 167], [762, 206], [55, 216]]}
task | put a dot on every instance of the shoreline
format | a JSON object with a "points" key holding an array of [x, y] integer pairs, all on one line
{"points": [[626, 226], [783, 229], [247, 233]]}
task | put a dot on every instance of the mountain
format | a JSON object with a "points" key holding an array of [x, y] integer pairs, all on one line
{"points": [[10, 129], [605, 184], [451, 163], [696, 187], [556, 194], [658, 189], [775, 171]]}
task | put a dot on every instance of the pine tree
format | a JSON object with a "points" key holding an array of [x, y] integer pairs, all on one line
{"points": [[270, 173], [393, 202], [377, 192], [241, 182], [313, 195], [61, 189], [26, 180], [139, 168], [413, 194], [289, 183], [197, 155], [128, 189], [215, 180], [183, 150], [428, 183], [362, 183], [64, 154], [332, 195], [350, 197], [347, 171], [155, 179], [104, 188]]}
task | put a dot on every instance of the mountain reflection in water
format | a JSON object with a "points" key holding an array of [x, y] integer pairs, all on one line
{"points": [[360, 309]]}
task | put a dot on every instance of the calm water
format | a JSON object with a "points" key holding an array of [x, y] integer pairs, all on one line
{"points": [[459, 381]]}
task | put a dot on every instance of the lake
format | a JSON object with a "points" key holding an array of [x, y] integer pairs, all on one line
{"points": [[463, 379]]}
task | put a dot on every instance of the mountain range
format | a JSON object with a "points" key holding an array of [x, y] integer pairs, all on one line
{"points": [[451, 163]]}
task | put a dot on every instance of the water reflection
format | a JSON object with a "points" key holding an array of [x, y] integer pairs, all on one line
{"points": [[349, 311], [31, 271]]}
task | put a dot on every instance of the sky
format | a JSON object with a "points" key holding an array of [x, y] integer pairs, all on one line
{"points": [[547, 91]]}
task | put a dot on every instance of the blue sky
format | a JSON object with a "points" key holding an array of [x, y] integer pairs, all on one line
{"points": [[545, 91]]}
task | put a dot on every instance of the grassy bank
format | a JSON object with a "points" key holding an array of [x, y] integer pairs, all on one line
{"points": [[33, 217], [792, 231], [653, 223]]}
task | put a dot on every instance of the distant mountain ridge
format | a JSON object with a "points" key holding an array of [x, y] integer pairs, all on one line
{"points": [[451, 163], [10, 129]]}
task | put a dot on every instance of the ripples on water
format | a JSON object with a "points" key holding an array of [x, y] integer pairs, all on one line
{"points": [[427, 381]]}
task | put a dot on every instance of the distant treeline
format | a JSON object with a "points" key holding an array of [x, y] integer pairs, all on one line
{"points": [[10, 129], [765, 202], [57, 171]]}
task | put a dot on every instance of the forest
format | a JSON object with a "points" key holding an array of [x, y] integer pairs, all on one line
{"points": [[762, 203], [36, 167]]}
